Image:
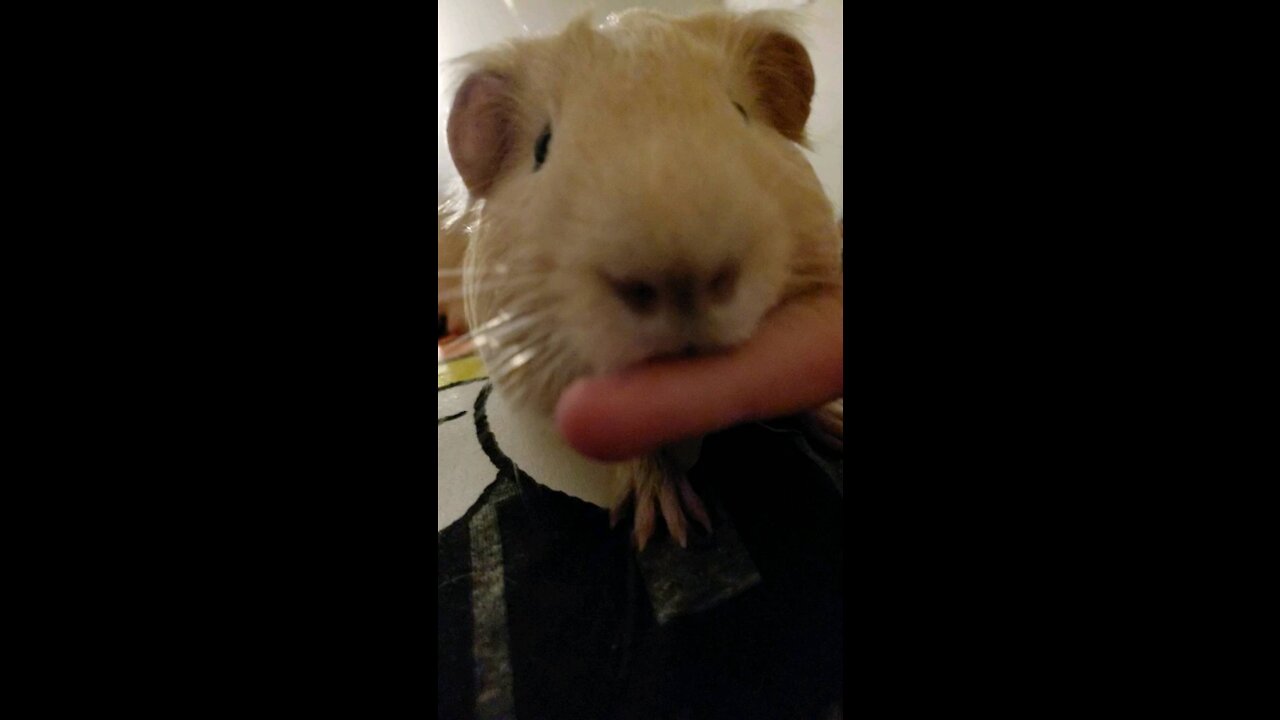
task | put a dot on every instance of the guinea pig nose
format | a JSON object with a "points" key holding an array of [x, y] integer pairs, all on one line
{"points": [[723, 284], [639, 296]]}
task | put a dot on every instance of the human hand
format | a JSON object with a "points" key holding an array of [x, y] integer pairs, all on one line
{"points": [[795, 362]]}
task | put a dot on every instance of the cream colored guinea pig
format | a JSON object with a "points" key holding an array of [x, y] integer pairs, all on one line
{"points": [[451, 248], [635, 190]]}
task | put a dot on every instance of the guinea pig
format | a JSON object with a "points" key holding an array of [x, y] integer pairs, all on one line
{"points": [[636, 191], [451, 247]]}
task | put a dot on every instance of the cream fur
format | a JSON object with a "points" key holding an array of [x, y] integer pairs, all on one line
{"points": [[651, 173], [451, 248]]}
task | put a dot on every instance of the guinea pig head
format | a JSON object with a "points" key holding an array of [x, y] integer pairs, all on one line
{"points": [[639, 193]]}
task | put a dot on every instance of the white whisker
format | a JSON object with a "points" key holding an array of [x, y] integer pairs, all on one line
{"points": [[485, 287], [496, 270], [512, 361], [491, 333]]}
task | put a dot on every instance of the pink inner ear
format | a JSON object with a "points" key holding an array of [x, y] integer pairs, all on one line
{"points": [[479, 129], [784, 76]]}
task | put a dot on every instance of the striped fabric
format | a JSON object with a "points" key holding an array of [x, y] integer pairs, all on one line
{"points": [[545, 612]]}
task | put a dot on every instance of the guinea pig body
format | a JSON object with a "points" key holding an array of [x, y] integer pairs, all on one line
{"points": [[640, 193], [635, 190]]}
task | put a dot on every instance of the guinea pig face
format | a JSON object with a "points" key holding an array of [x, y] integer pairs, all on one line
{"points": [[642, 195]]}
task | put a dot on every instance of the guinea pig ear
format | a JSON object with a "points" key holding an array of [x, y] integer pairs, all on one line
{"points": [[481, 129], [783, 76]]}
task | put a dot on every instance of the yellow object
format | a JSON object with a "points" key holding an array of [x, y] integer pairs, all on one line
{"points": [[464, 368]]}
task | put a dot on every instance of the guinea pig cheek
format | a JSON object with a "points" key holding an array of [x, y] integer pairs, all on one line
{"points": [[764, 274], [606, 336], [583, 320], [734, 323]]}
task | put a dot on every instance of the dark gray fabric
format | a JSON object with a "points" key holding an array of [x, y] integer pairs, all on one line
{"points": [[746, 623]]}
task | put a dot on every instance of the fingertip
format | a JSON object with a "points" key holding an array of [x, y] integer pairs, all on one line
{"points": [[592, 420], [568, 402], [578, 419], [568, 412]]}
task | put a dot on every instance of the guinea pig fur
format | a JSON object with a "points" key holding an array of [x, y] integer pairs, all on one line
{"points": [[451, 246], [634, 190]]}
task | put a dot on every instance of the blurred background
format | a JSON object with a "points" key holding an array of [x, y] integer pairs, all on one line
{"points": [[466, 25]]}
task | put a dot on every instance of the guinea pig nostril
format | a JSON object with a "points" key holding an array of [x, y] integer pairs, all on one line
{"points": [[639, 296], [723, 284]]}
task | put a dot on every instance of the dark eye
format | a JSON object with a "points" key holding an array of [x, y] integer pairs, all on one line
{"points": [[540, 148], [740, 110]]}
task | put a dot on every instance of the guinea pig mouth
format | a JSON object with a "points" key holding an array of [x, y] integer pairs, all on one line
{"points": [[690, 350]]}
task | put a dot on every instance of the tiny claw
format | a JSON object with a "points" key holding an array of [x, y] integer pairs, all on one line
{"points": [[694, 504], [641, 538], [644, 521], [619, 506], [672, 513]]}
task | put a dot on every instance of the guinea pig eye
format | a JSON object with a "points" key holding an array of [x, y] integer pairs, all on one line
{"points": [[741, 111], [540, 148]]}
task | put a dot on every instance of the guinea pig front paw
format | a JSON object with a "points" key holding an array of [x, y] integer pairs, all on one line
{"points": [[652, 485]]}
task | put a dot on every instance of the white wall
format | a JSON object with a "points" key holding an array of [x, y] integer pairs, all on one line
{"points": [[466, 25]]}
